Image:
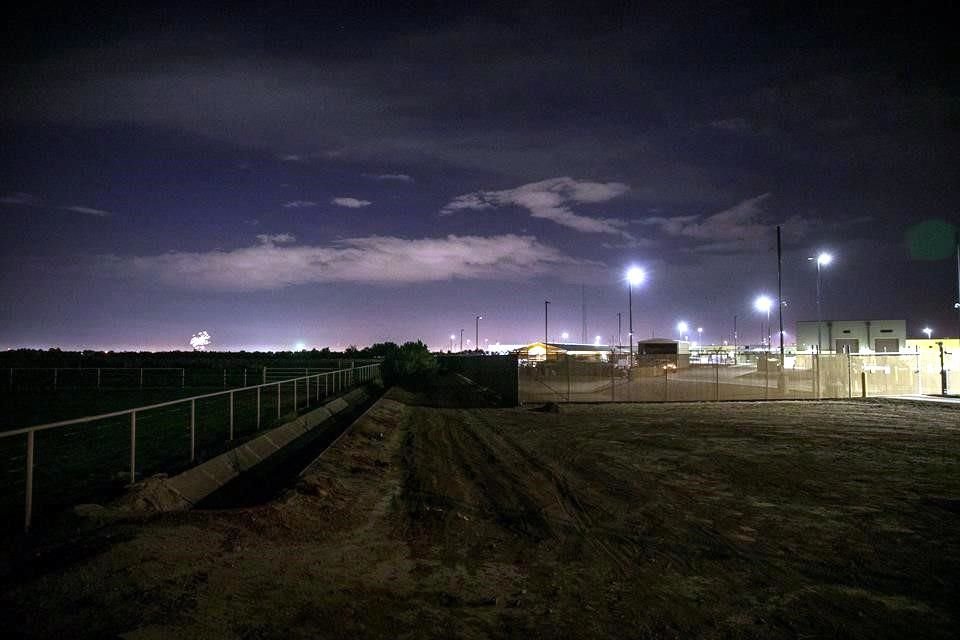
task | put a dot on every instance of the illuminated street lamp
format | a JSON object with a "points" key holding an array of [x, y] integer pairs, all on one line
{"points": [[682, 328], [763, 304], [700, 335], [477, 336], [635, 277], [822, 259], [596, 340], [928, 331], [564, 336], [452, 338]]}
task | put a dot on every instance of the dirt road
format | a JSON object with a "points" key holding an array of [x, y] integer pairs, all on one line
{"points": [[688, 520]]}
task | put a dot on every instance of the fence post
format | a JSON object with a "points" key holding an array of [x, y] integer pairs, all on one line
{"points": [[54, 378], [716, 371], [224, 377], [133, 447], [244, 376], [183, 377], [264, 375], [849, 376], [231, 415], [11, 378], [278, 401], [98, 377], [258, 407], [326, 384], [193, 430], [295, 385], [141, 377], [816, 373], [28, 506], [613, 383]]}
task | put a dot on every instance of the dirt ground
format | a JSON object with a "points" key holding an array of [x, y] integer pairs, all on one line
{"points": [[757, 520]]}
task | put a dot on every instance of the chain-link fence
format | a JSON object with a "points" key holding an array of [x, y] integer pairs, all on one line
{"points": [[47, 467], [499, 374], [756, 375]]}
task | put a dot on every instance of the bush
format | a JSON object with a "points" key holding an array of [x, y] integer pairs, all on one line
{"points": [[410, 365]]}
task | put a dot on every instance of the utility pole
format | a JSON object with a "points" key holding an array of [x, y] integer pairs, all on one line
{"points": [[546, 321], [461, 339]]}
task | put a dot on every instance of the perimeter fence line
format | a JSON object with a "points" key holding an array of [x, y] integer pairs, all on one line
{"points": [[53, 465], [566, 378]]}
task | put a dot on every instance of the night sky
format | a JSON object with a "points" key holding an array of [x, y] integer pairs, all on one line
{"points": [[368, 172]]}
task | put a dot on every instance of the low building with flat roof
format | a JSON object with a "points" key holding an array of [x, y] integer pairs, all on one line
{"points": [[852, 336]]}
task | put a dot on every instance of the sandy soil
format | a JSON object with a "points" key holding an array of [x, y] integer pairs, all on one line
{"points": [[837, 519]]}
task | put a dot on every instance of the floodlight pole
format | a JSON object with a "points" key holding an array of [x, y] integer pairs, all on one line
{"points": [[619, 331], [477, 335], [630, 327], [735, 345], [781, 383], [546, 321], [819, 314], [461, 340], [957, 304]]}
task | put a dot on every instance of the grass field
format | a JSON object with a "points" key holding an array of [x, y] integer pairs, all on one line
{"points": [[757, 520]]}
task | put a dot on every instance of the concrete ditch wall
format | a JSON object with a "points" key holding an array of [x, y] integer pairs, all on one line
{"points": [[183, 491]]}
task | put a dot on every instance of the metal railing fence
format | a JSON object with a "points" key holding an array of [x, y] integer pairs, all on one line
{"points": [[26, 379], [53, 465]]}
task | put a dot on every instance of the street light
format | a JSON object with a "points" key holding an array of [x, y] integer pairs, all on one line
{"points": [[546, 319], [477, 336], [763, 304], [564, 335], [635, 277], [822, 259], [700, 335], [928, 331], [452, 338], [682, 328], [461, 339]]}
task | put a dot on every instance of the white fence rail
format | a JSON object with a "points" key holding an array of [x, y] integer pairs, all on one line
{"points": [[72, 460]]}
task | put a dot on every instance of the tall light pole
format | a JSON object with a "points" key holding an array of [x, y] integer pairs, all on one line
{"points": [[928, 331], [635, 276], [700, 336], [452, 338], [477, 336], [822, 259], [461, 339], [682, 328], [620, 332], [546, 321]]}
